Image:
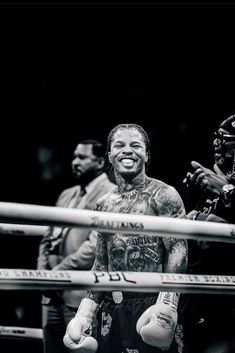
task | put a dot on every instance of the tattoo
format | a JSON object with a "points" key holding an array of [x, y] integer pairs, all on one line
{"points": [[100, 264], [135, 253], [130, 252], [177, 255], [169, 203]]}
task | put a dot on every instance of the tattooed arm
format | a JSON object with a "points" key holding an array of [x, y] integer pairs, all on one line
{"points": [[170, 204], [101, 257], [160, 332], [100, 264], [177, 255]]}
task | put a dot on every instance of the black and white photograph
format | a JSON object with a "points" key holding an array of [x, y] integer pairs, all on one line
{"points": [[117, 183]]}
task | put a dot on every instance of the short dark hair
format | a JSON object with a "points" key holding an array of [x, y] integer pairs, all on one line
{"points": [[130, 126], [98, 148]]}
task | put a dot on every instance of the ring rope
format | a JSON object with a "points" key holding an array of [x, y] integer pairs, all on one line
{"points": [[122, 223], [24, 332], [22, 229], [23, 279]]}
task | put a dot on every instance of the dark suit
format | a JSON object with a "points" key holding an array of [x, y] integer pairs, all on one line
{"points": [[68, 249]]}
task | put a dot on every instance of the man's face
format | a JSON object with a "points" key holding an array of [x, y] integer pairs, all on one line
{"points": [[224, 148], [85, 164], [128, 152]]}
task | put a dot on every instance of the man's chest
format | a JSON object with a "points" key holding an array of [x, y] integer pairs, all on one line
{"points": [[133, 203]]}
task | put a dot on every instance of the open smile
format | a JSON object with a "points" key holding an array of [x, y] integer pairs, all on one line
{"points": [[127, 162]]}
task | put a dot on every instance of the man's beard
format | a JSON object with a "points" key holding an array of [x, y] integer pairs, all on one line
{"points": [[225, 162], [86, 178]]}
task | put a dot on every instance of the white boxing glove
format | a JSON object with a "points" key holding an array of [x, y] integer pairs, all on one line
{"points": [[78, 333], [157, 324]]}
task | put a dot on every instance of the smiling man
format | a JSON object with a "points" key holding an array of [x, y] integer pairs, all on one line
{"points": [[126, 321]]}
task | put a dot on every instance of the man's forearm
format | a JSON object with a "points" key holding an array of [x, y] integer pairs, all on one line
{"points": [[177, 256]]}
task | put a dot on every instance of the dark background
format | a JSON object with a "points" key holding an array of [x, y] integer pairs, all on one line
{"points": [[71, 72], [75, 71]]}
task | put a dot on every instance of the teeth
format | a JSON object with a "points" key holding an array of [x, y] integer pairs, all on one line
{"points": [[127, 161]]}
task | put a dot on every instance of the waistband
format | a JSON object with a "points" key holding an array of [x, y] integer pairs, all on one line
{"points": [[129, 295]]}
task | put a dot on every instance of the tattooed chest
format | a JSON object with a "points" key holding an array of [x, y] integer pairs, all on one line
{"points": [[135, 253], [132, 202]]}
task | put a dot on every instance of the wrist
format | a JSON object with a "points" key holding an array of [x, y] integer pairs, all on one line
{"points": [[228, 190], [168, 298], [88, 307]]}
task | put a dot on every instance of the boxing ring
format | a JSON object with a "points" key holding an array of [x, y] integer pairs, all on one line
{"points": [[21, 332], [25, 219], [121, 223]]}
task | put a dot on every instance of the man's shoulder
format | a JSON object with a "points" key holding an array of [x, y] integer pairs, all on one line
{"points": [[167, 199], [102, 187], [164, 190], [159, 184], [106, 182], [108, 195], [67, 193], [69, 190]]}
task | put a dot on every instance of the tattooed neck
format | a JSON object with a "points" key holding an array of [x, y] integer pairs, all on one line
{"points": [[137, 183]]}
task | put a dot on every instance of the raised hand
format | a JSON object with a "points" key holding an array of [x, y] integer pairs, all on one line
{"points": [[205, 178]]}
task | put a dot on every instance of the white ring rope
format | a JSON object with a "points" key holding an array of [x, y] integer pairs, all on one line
{"points": [[122, 223], [22, 229], [20, 279], [24, 332]]}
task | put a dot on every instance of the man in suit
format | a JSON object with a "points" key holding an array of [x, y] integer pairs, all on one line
{"points": [[72, 249]]}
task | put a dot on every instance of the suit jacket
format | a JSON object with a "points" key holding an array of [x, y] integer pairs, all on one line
{"points": [[77, 247]]}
